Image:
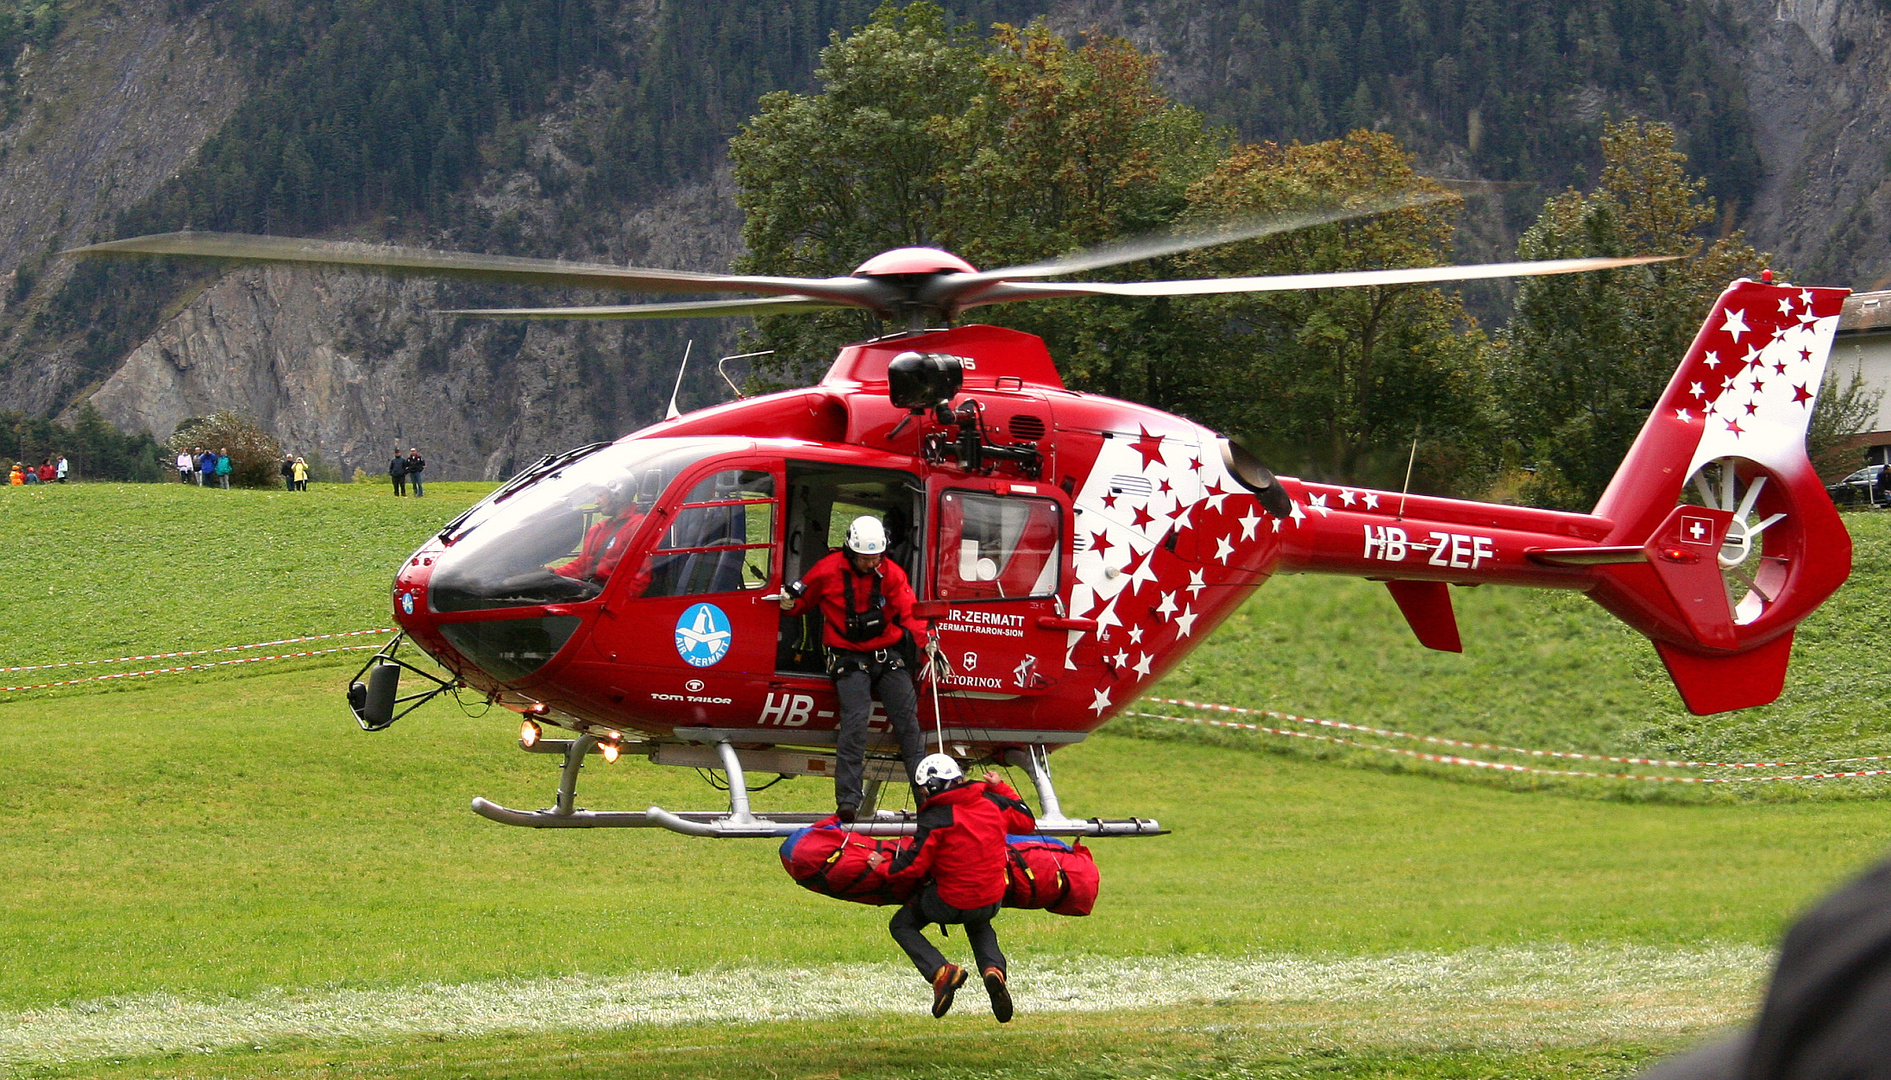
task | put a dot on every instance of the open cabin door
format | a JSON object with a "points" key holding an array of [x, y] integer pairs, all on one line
{"points": [[999, 560]]}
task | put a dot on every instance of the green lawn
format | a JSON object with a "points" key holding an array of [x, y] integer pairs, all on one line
{"points": [[219, 835]]}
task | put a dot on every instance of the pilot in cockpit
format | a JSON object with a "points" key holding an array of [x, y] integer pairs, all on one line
{"points": [[609, 537]]}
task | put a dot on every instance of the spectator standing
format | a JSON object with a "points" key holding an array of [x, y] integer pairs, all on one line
{"points": [[299, 476], [288, 472], [397, 472], [224, 468], [46, 472], [186, 465], [206, 465], [61, 470], [414, 467], [17, 476], [28, 474]]}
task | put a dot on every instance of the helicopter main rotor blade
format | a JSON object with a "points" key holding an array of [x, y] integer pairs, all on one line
{"points": [[771, 305], [1007, 292], [240, 247], [1176, 241]]}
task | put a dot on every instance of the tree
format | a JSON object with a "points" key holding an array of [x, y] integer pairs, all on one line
{"points": [[1025, 146], [255, 455], [1586, 356], [1004, 151], [827, 180], [1351, 375]]}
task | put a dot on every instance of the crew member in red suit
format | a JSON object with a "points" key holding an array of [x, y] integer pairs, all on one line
{"points": [[873, 643], [959, 854], [606, 540]]}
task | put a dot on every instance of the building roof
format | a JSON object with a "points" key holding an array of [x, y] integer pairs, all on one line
{"points": [[1865, 313]]}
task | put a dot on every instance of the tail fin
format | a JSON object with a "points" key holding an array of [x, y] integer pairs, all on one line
{"points": [[1740, 539]]}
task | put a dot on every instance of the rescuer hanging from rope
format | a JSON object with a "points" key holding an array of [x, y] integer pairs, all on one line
{"points": [[959, 855], [872, 642]]}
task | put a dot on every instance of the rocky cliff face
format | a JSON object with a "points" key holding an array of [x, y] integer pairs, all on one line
{"points": [[348, 366], [1819, 84]]}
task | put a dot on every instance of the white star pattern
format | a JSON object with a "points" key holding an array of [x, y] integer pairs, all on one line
{"points": [[1736, 324], [1195, 582], [1318, 502], [1248, 522], [1372, 501], [1713, 359], [1185, 622], [1167, 607], [1345, 497], [1682, 415], [1145, 572], [1142, 665], [1102, 700], [1223, 549], [1121, 659], [1135, 635], [1297, 515]]}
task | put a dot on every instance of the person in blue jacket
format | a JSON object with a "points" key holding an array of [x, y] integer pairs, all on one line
{"points": [[206, 467]]}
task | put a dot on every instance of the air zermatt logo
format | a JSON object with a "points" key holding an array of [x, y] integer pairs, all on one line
{"points": [[702, 635]]}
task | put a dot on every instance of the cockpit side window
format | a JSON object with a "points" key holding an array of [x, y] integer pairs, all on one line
{"points": [[721, 539], [997, 547], [558, 537]]}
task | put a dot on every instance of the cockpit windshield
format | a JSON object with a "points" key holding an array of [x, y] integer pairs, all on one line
{"points": [[558, 539]]}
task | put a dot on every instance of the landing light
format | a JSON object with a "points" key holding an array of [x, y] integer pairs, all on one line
{"points": [[530, 733], [610, 748]]}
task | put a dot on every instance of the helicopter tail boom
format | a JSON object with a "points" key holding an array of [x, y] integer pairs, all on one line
{"points": [[1715, 538]]}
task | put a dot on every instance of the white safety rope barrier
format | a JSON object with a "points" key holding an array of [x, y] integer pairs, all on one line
{"points": [[1503, 766]]}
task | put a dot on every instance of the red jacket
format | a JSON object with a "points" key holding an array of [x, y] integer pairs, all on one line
{"points": [[827, 583], [960, 844], [604, 545]]}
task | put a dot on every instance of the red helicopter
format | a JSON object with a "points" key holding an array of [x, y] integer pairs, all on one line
{"points": [[1069, 548]]}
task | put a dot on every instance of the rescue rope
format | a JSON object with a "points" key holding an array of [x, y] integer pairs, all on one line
{"points": [[1503, 766], [1499, 747]]}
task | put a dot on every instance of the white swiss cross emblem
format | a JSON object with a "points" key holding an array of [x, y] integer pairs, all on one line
{"points": [[1697, 530]]}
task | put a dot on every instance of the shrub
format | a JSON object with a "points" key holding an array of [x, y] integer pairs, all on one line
{"points": [[255, 455]]}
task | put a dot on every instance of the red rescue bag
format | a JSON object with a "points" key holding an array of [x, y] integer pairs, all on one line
{"points": [[1044, 872], [1040, 871], [833, 862]]}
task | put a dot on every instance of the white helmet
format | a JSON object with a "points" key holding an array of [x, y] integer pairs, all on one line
{"points": [[936, 769], [866, 536]]}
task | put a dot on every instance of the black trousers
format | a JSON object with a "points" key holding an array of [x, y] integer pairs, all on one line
{"points": [[926, 907], [400, 483], [857, 689]]}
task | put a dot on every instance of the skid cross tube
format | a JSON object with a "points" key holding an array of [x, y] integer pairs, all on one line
{"points": [[740, 820]]}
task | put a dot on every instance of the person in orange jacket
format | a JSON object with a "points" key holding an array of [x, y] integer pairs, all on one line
{"points": [[958, 858]]}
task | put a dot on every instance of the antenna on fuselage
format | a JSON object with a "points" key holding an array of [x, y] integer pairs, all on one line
{"points": [[1409, 462], [674, 411], [738, 356]]}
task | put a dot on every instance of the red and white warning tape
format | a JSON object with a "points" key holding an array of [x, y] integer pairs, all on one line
{"points": [[196, 652], [189, 667], [1567, 754], [1478, 763]]}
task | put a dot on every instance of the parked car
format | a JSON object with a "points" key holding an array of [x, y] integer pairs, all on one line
{"points": [[1868, 485]]}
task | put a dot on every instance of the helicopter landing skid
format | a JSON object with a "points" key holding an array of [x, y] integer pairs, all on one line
{"points": [[741, 821]]}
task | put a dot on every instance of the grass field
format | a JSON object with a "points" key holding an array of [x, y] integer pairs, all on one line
{"points": [[217, 874]]}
